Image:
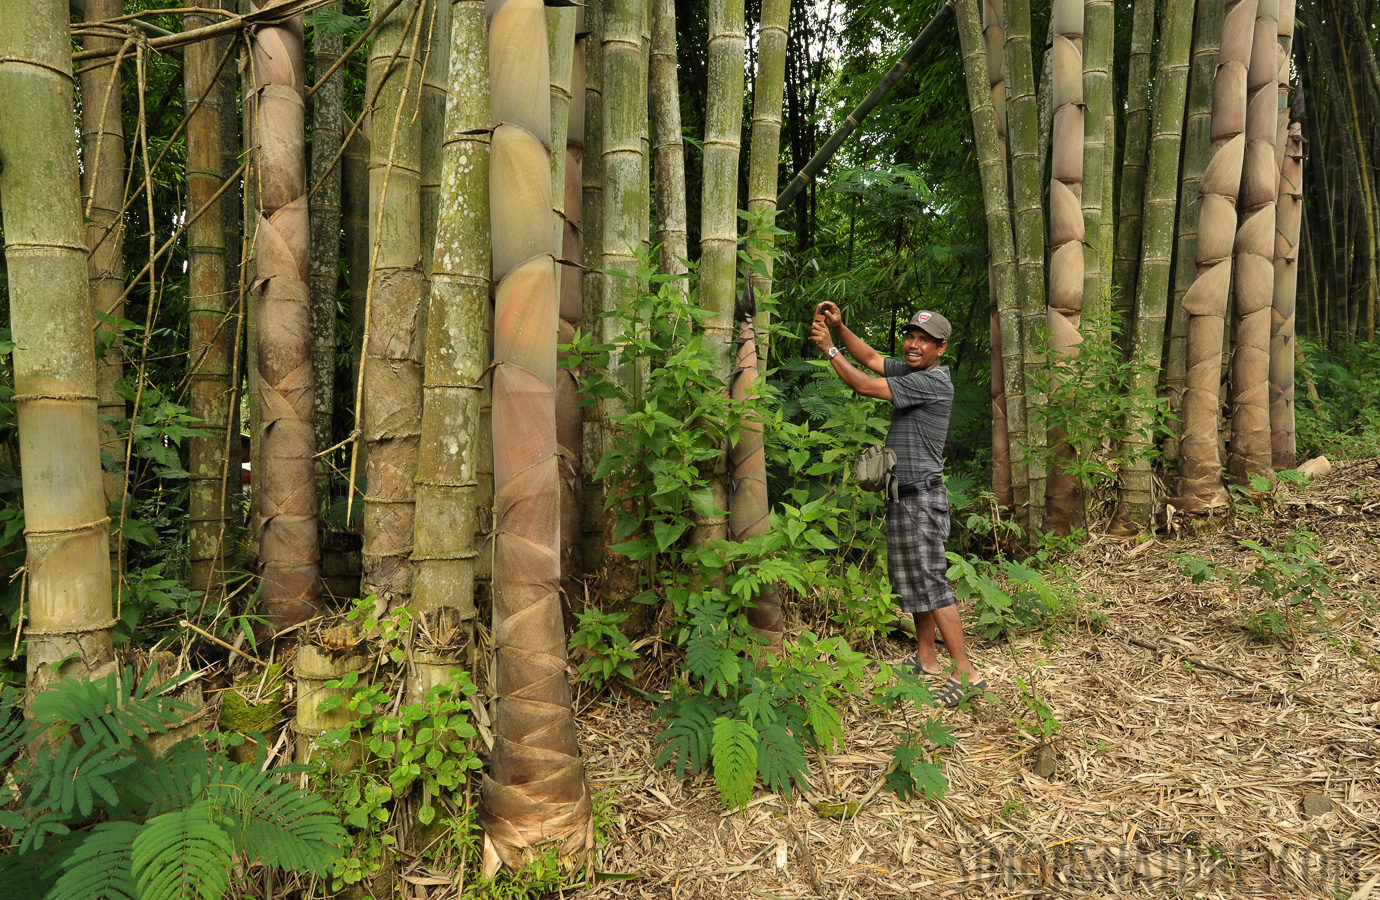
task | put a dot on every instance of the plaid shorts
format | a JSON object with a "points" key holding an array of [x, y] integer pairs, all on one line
{"points": [[917, 525]]}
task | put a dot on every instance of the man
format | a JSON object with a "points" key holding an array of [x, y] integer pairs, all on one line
{"points": [[918, 518]]}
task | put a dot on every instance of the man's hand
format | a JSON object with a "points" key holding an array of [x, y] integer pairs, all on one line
{"points": [[819, 333], [830, 311]]}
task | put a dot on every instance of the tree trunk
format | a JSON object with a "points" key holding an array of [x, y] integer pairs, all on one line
{"points": [[394, 329], [623, 219], [1136, 501], [1063, 504], [444, 555], [668, 149], [1253, 274], [66, 528], [208, 314], [1200, 488], [288, 550], [327, 132], [764, 163], [103, 175], [534, 792]]}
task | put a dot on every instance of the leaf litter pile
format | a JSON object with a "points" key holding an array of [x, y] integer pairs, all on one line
{"points": [[1200, 739]]}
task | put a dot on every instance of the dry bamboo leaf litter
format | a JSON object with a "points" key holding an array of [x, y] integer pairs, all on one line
{"points": [[1184, 751]]}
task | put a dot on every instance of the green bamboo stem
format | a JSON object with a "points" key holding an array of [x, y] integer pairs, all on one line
{"points": [[1132, 196], [591, 210], [668, 148], [66, 529], [449, 445], [431, 120], [1098, 142], [208, 308], [1136, 500], [764, 161]]}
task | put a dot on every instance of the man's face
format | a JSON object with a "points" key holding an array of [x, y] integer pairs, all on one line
{"points": [[922, 351]]}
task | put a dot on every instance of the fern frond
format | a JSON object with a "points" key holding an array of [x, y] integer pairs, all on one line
{"points": [[825, 724], [182, 854], [99, 869], [68, 778], [687, 739], [735, 760], [107, 712], [177, 779], [279, 825], [781, 760]]}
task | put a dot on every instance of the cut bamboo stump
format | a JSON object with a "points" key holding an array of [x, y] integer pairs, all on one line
{"points": [[317, 665]]}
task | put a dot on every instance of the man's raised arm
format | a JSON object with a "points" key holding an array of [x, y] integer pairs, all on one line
{"points": [[856, 346]]}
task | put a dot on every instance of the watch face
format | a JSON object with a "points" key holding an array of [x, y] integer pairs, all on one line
{"points": [[833, 351]]}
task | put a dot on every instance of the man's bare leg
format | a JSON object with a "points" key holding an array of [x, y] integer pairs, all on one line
{"points": [[951, 627], [924, 641]]}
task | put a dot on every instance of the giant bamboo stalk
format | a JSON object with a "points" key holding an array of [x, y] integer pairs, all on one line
{"points": [[1366, 188], [623, 219], [1200, 488], [750, 511], [103, 158], [66, 528], [208, 307], [764, 162], [288, 545], [449, 446], [1207, 34], [591, 211], [994, 39], [327, 132], [1129, 226], [1066, 233], [1028, 470], [354, 221], [534, 792], [1253, 271], [394, 339], [1286, 265], [431, 116], [1099, 125], [668, 148], [723, 125], [1136, 501]]}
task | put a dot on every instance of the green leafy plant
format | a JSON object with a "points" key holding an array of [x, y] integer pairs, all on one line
{"points": [[1039, 722], [1007, 596], [392, 749], [609, 652], [1290, 581], [914, 768], [94, 813]]}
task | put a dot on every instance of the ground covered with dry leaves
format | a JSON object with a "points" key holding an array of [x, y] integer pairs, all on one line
{"points": [[1191, 759]]}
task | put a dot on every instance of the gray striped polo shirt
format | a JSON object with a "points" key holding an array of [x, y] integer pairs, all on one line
{"points": [[920, 423]]}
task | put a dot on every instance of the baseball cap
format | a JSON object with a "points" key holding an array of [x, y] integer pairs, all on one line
{"points": [[932, 323]]}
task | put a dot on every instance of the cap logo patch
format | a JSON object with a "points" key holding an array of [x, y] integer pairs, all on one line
{"points": [[923, 317]]}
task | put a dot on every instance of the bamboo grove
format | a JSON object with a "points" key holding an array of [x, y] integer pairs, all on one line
{"points": [[392, 220]]}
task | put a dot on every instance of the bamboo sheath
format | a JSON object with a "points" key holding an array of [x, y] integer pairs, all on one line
{"points": [[668, 148], [1286, 271], [66, 529], [1207, 31], [1253, 269], [1028, 219], [565, 194], [327, 132], [288, 544], [764, 160], [208, 309], [534, 792], [103, 156], [1136, 502], [395, 330], [1288, 227], [1200, 488], [1066, 236], [749, 515], [451, 439]]}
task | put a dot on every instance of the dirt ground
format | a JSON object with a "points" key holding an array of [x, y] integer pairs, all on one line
{"points": [[1191, 760]]}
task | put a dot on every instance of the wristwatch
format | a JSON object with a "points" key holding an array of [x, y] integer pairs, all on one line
{"points": [[833, 351]]}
